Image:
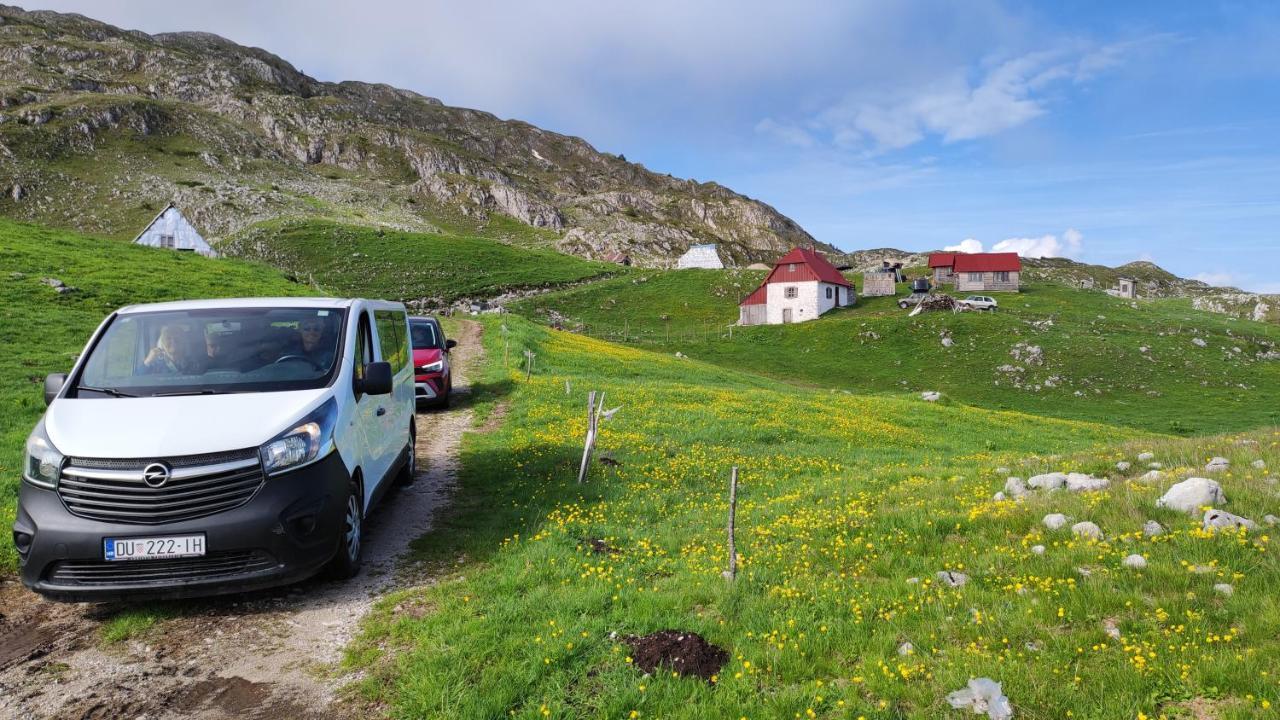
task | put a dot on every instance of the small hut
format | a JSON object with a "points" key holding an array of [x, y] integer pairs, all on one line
{"points": [[172, 231]]}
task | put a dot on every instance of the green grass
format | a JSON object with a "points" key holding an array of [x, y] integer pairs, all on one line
{"points": [[843, 499], [1093, 369], [353, 260], [42, 331], [132, 622]]}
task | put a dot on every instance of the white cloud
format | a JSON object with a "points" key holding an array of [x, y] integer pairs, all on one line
{"points": [[1069, 245], [1219, 278], [789, 134], [956, 106], [968, 245]]}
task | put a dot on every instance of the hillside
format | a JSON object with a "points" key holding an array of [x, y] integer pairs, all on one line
{"points": [[1095, 357], [42, 330], [430, 270], [100, 127], [848, 508]]}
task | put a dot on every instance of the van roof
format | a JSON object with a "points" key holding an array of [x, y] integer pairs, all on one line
{"points": [[258, 302]]}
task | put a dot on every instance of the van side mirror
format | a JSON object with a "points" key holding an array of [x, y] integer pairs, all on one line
{"points": [[53, 383], [450, 344], [377, 379]]}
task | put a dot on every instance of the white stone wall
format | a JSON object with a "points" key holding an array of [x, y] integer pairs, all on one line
{"points": [[185, 236], [804, 306]]}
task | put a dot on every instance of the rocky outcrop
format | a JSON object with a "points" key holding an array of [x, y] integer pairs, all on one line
{"points": [[272, 141]]}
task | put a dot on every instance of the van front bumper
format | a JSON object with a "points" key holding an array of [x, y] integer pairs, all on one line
{"points": [[286, 532]]}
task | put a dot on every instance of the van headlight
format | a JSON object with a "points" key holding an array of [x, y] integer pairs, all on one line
{"points": [[310, 439], [43, 462], [436, 366]]}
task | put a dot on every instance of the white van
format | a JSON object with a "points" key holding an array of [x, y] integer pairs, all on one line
{"points": [[216, 446]]}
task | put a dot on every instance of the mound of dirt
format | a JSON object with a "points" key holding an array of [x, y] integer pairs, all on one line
{"points": [[686, 653]]}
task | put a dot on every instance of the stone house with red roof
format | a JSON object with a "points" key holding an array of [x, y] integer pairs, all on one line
{"points": [[977, 272], [801, 286]]}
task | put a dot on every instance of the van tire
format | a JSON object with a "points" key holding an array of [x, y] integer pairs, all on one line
{"points": [[346, 562], [409, 471]]}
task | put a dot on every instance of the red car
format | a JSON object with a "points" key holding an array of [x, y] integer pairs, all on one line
{"points": [[432, 376]]}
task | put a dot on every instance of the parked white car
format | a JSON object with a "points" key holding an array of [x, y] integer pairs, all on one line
{"points": [[216, 446], [979, 302]]}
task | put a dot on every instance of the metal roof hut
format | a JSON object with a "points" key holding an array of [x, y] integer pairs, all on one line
{"points": [[700, 256], [169, 229]]}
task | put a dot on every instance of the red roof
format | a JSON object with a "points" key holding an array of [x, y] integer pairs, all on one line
{"points": [[759, 296], [808, 265], [988, 262], [938, 260]]}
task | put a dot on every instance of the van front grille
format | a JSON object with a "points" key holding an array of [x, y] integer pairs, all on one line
{"points": [[115, 489], [147, 572]]}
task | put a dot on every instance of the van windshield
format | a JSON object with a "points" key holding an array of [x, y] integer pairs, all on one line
{"points": [[224, 350]]}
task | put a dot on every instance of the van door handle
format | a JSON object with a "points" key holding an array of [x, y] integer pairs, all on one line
{"points": [[381, 411]]}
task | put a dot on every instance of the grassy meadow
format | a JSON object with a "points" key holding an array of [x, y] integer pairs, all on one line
{"points": [[1137, 365], [42, 331], [349, 260], [848, 507]]}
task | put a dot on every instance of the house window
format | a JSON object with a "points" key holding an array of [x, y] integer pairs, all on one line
{"points": [[166, 241], [828, 293], [1002, 277], [790, 292], [791, 267], [975, 277]]}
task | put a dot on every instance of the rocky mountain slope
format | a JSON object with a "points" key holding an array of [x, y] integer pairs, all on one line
{"points": [[100, 127]]}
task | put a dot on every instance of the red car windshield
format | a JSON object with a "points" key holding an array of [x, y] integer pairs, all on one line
{"points": [[424, 336]]}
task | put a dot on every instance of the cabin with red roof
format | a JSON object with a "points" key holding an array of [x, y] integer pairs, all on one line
{"points": [[977, 272], [801, 286]]}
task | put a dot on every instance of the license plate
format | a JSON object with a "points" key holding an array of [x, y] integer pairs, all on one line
{"points": [[151, 548]]}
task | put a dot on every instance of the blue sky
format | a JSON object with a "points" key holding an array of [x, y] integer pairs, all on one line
{"points": [[1104, 131]]}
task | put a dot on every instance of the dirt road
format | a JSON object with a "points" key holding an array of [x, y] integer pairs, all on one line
{"points": [[263, 655]]}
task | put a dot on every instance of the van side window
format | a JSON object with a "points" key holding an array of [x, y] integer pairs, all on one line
{"points": [[364, 349], [391, 338]]}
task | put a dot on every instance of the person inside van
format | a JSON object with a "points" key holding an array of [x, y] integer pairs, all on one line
{"points": [[173, 353], [315, 344]]}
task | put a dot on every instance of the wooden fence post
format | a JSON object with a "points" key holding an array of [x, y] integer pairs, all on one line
{"points": [[732, 573], [528, 371], [593, 421]]}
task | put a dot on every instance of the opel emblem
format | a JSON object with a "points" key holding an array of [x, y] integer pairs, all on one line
{"points": [[156, 475]]}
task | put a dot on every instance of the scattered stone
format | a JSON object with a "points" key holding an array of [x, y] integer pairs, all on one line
{"points": [[1086, 529], [947, 342], [1002, 471], [1258, 465], [1224, 589], [906, 648], [1152, 529], [1111, 626], [952, 579], [1037, 549], [1218, 464], [1055, 521], [1271, 519], [1192, 494], [1198, 342], [1014, 487], [685, 653], [998, 497], [1135, 562], [1151, 476], [1123, 465], [1084, 572], [1223, 520], [931, 396], [1155, 465], [913, 581], [1146, 456], [1048, 481], [1079, 482], [983, 695]]}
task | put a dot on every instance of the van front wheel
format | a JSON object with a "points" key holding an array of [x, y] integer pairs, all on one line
{"points": [[346, 563]]}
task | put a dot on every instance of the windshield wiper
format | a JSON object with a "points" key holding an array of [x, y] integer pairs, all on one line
{"points": [[106, 391], [202, 391]]}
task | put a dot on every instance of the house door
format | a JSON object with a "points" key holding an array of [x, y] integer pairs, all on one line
{"points": [[786, 315]]}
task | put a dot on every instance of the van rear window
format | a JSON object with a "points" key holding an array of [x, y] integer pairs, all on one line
{"points": [[214, 351]]}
